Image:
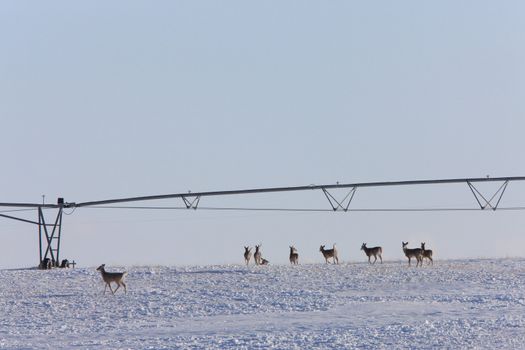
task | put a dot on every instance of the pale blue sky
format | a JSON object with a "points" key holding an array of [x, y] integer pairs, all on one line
{"points": [[114, 99]]}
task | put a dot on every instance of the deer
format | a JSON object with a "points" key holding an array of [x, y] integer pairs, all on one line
{"points": [[108, 277], [426, 253], [247, 255], [294, 256], [413, 253], [264, 261], [329, 253], [257, 255], [375, 251]]}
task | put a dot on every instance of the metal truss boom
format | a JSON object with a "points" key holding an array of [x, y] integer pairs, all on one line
{"points": [[191, 199], [353, 186]]}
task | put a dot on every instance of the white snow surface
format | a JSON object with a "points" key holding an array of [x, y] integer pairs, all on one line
{"points": [[454, 304]]}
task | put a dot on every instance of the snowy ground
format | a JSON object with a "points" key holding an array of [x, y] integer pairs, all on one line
{"points": [[454, 304]]}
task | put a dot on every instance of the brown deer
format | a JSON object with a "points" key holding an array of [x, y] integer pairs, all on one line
{"points": [[294, 256], [413, 253], [257, 256], [108, 277], [426, 253], [247, 255], [264, 261], [329, 253], [375, 251]]}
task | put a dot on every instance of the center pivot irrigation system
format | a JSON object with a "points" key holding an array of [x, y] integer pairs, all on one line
{"points": [[49, 234]]}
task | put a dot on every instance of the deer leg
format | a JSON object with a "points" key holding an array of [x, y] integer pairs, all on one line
{"points": [[121, 283], [380, 257], [111, 289], [408, 261], [375, 259]]}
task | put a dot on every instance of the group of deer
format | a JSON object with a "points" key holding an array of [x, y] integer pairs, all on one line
{"points": [[327, 254], [259, 260], [257, 256], [418, 253], [294, 255]]}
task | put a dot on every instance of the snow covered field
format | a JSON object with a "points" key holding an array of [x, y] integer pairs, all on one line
{"points": [[454, 304]]}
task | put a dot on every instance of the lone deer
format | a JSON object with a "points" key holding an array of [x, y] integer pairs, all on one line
{"points": [[426, 253], [329, 253], [375, 251], [413, 253], [257, 255], [247, 255], [108, 277], [294, 256]]}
